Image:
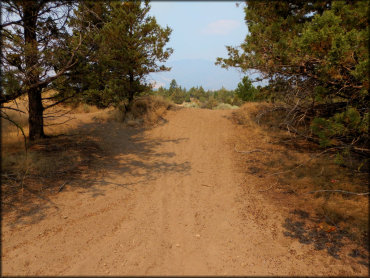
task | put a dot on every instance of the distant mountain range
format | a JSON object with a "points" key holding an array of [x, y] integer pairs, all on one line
{"points": [[198, 72]]}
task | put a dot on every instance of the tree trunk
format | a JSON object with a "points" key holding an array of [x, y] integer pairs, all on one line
{"points": [[35, 119], [130, 93]]}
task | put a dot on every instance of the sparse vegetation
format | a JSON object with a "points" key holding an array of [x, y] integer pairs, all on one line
{"points": [[145, 110], [197, 97], [56, 159], [299, 169], [75, 73]]}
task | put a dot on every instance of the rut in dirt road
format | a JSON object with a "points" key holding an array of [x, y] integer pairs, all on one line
{"points": [[166, 201]]}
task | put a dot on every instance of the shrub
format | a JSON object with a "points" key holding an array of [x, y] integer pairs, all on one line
{"points": [[345, 126], [191, 105], [146, 109], [210, 103]]}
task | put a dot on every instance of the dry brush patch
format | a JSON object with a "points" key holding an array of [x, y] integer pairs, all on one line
{"points": [[30, 175], [146, 111], [299, 171], [30, 178], [57, 120]]}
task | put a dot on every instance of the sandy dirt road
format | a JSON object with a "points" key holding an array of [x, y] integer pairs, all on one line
{"points": [[166, 201]]}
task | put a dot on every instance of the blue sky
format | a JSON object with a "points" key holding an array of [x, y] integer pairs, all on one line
{"points": [[201, 30]]}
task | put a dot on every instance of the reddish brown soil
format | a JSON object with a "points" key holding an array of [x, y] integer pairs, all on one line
{"points": [[171, 200]]}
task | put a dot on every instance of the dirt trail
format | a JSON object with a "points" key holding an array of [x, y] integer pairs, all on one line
{"points": [[165, 201]]}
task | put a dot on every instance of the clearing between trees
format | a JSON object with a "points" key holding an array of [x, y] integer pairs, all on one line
{"points": [[173, 199]]}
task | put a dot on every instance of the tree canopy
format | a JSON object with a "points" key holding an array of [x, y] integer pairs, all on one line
{"points": [[127, 46], [318, 54], [99, 52]]}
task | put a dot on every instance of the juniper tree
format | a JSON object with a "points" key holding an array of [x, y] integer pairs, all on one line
{"points": [[320, 51]]}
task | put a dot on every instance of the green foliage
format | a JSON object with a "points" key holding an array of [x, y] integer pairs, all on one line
{"points": [[204, 99], [339, 159], [187, 98], [178, 96], [210, 103], [237, 101], [11, 84], [173, 84], [246, 91], [224, 96], [343, 125], [125, 45], [322, 128], [316, 58]]}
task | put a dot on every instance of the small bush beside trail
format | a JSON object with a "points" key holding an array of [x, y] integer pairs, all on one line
{"points": [[145, 110]]}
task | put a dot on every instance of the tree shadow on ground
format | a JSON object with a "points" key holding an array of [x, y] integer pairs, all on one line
{"points": [[310, 230], [90, 155]]}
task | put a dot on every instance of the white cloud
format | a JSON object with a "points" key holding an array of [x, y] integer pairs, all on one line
{"points": [[221, 27]]}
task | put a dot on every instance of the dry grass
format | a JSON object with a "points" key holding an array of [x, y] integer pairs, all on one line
{"points": [[298, 169], [39, 173], [58, 120], [49, 162], [225, 106], [84, 108], [145, 111], [192, 104], [10, 133], [9, 130]]}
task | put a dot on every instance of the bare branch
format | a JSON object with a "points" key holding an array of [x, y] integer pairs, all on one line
{"points": [[6, 117]]}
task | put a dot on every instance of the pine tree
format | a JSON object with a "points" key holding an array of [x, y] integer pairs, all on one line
{"points": [[173, 84], [132, 44], [88, 78], [245, 90], [35, 43]]}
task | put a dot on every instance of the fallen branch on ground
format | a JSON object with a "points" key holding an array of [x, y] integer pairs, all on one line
{"points": [[252, 151], [341, 191], [62, 186]]}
